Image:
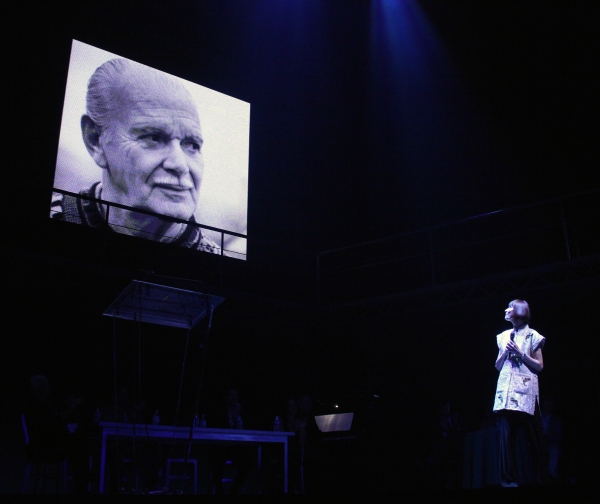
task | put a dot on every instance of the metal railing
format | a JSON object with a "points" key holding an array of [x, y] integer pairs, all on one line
{"points": [[553, 230], [222, 237], [558, 229]]}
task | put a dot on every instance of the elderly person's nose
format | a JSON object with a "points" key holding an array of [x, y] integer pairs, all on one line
{"points": [[176, 160]]}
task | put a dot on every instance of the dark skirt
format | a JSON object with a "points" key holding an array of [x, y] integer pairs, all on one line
{"points": [[523, 458]]}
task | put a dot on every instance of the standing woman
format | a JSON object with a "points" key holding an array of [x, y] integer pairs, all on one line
{"points": [[517, 395]]}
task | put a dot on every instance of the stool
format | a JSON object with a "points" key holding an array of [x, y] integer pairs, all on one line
{"points": [[183, 475]]}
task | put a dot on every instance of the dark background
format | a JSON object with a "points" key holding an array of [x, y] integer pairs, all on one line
{"points": [[357, 133]]}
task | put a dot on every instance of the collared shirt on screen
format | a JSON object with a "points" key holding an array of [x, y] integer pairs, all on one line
{"points": [[87, 212]]}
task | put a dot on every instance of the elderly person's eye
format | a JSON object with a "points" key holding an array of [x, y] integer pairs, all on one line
{"points": [[152, 138], [191, 145]]}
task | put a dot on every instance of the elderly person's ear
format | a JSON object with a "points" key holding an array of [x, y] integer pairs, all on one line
{"points": [[91, 138]]}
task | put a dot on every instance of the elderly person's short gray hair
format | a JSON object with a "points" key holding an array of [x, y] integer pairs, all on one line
{"points": [[100, 90], [106, 86]]}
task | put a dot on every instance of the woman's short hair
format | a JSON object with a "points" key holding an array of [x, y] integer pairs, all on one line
{"points": [[520, 309]]}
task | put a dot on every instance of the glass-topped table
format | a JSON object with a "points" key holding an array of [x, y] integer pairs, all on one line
{"points": [[151, 432]]}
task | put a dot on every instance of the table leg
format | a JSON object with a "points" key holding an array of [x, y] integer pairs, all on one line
{"points": [[102, 463], [285, 465], [259, 457]]}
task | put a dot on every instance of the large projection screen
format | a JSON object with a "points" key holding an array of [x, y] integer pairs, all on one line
{"points": [[221, 192]]}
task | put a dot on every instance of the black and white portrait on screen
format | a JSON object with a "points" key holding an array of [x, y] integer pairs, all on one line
{"points": [[144, 139]]}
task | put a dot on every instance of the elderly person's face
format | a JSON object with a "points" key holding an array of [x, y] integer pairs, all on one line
{"points": [[152, 148]]}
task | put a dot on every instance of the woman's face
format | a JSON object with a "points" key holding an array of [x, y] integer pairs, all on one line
{"points": [[511, 316]]}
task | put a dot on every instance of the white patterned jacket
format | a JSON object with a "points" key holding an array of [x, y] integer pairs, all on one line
{"points": [[518, 387]]}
